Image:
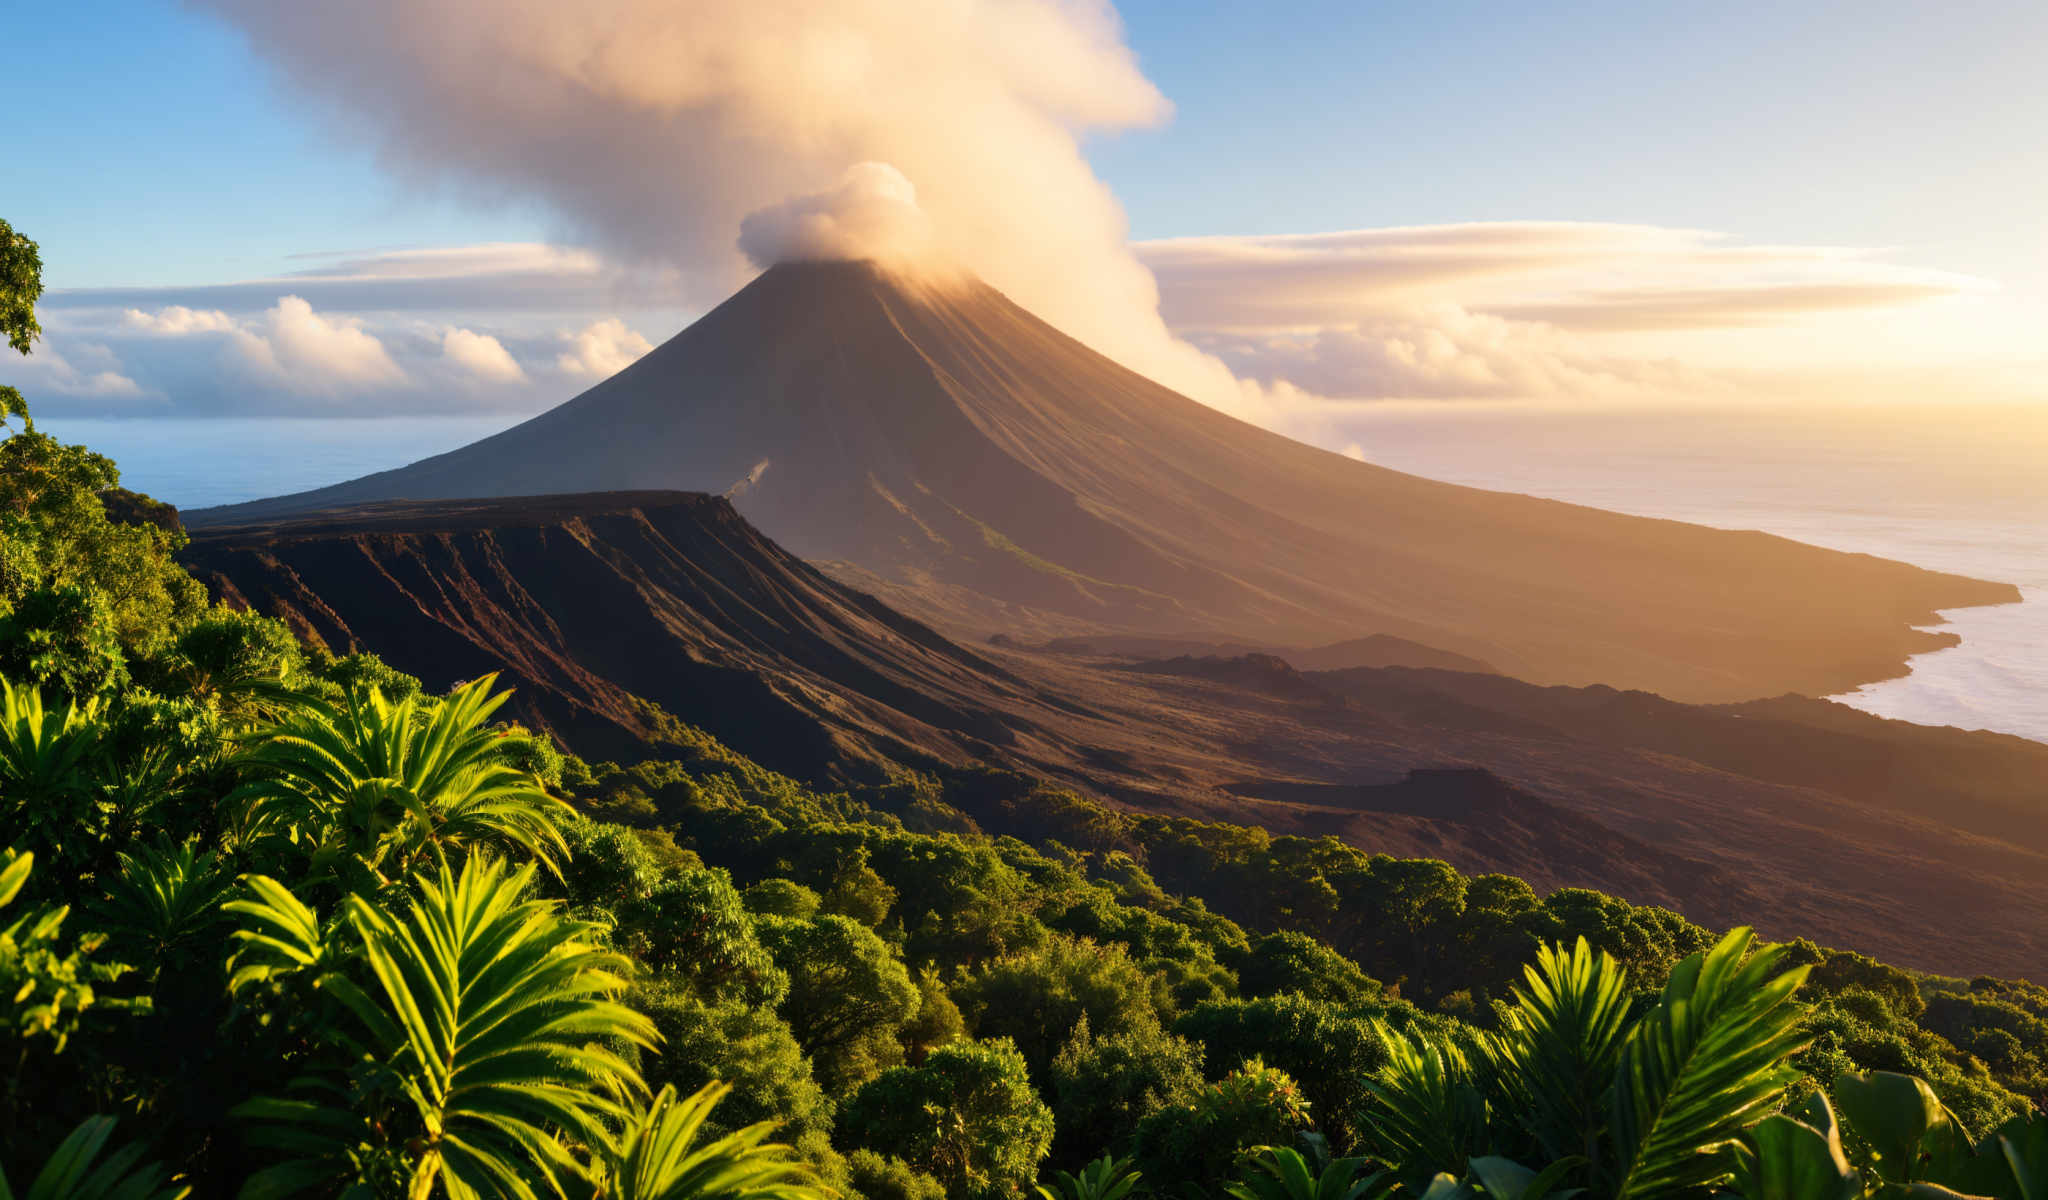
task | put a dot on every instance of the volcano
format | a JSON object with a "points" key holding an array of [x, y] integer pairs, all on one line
{"points": [[936, 444]]}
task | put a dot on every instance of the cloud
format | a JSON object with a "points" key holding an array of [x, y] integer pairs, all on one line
{"points": [[652, 129], [1505, 310], [871, 213], [481, 355], [82, 369], [1630, 309], [312, 352], [177, 321], [1583, 274], [1446, 353], [602, 349], [507, 277]]}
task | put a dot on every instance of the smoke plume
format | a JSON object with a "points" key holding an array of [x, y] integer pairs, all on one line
{"points": [[655, 128]]}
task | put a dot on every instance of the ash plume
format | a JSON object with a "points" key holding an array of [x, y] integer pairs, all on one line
{"points": [[655, 129]]}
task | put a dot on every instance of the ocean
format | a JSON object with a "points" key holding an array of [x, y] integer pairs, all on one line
{"points": [[1955, 489]]}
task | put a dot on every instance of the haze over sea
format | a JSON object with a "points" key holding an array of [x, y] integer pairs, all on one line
{"points": [[1963, 490]]}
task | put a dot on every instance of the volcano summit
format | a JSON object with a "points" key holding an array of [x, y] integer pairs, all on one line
{"points": [[937, 444]]}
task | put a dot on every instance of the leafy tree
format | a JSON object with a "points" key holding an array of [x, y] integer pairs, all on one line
{"points": [[880, 1177], [693, 923], [1293, 962], [1101, 1088], [967, 1117], [1202, 1141], [21, 285], [1330, 1053], [243, 663], [849, 995], [1037, 998], [937, 1022], [703, 1042], [782, 898]]}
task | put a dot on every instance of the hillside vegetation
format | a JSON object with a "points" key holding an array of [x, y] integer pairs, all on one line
{"points": [[275, 922]]}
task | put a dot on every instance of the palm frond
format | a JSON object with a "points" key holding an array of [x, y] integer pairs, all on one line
{"points": [[500, 1006], [75, 1171], [1699, 1067], [658, 1157], [1429, 1117], [1556, 1056]]}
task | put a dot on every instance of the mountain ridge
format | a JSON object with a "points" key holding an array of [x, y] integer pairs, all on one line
{"points": [[942, 448]]}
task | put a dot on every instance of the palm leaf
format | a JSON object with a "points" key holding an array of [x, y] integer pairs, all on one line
{"points": [[75, 1171], [500, 1005], [1429, 1117], [658, 1157], [1556, 1056], [1701, 1066]]}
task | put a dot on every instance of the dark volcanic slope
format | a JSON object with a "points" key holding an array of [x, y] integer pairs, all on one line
{"points": [[948, 450], [589, 602], [1925, 846]]}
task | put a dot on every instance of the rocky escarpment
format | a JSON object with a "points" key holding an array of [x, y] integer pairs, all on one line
{"points": [[592, 605]]}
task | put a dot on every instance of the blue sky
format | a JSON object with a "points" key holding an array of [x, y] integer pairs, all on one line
{"points": [[163, 151]]}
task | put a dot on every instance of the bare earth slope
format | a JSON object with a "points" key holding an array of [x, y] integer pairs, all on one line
{"points": [[1925, 846], [945, 449]]}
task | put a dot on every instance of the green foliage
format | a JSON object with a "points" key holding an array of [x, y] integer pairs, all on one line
{"points": [[1294, 962], [1284, 1173], [164, 904], [967, 1117], [21, 285], [700, 1043], [1038, 997], [50, 792], [849, 995], [782, 898], [75, 1170], [1107, 1178], [371, 789], [1905, 1144], [659, 1157], [693, 923], [1103, 1087], [1203, 1140], [1700, 1066], [938, 1020], [880, 1177], [1431, 1114], [483, 1012], [1331, 1053], [239, 662], [1559, 1047], [1644, 1108]]}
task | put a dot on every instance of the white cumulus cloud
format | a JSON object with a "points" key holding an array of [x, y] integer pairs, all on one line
{"points": [[177, 321], [481, 355], [602, 349]]}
